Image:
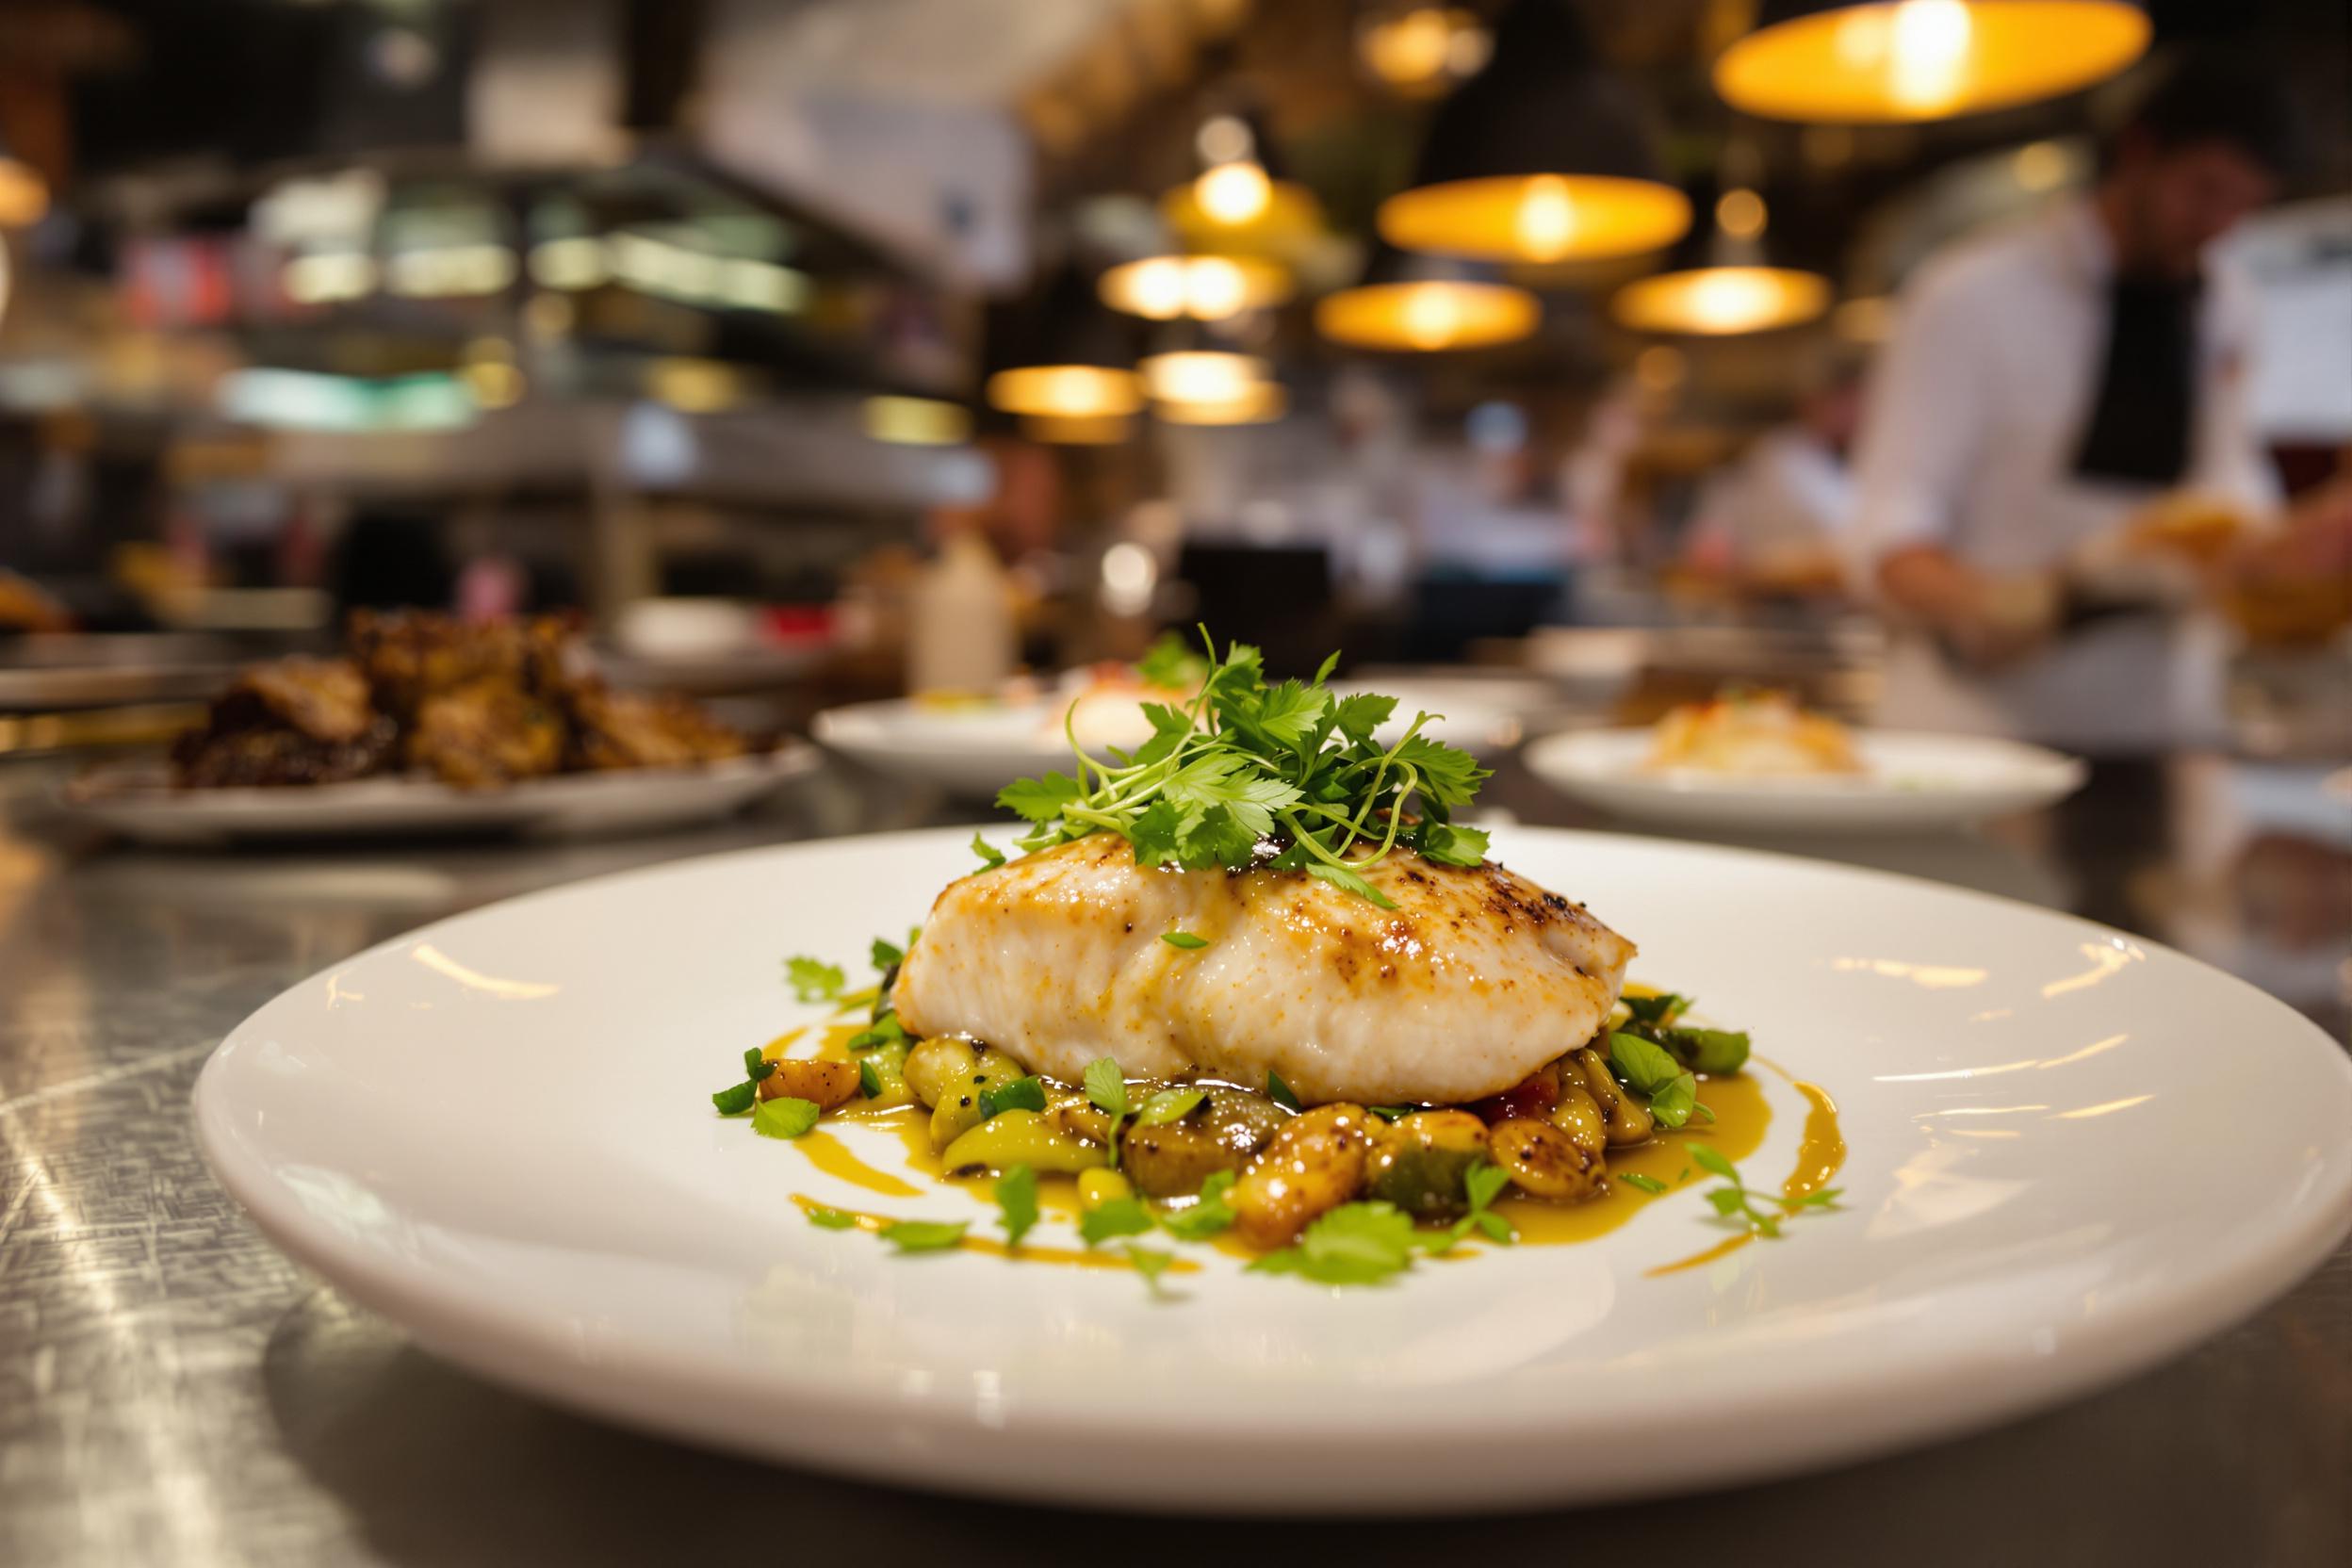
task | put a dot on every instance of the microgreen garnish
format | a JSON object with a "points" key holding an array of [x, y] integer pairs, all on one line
{"points": [[1169, 1105], [869, 1081], [1016, 1196], [812, 980], [736, 1100], [1651, 1071], [756, 1066], [1185, 940], [1738, 1206], [887, 955], [924, 1235], [1022, 1094], [1106, 1086], [884, 1030], [784, 1116], [1248, 774], [1279, 1091], [1208, 1214], [1659, 1008], [1119, 1217], [1481, 1184], [990, 857], [1355, 1244], [1150, 1263], [1650, 1184], [832, 1219]]}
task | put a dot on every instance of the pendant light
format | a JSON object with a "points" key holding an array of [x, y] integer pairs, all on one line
{"points": [[1199, 288], [1065, 357], [1888, 61], [1543, 157], [1419, 50], [23, 194], [1427, 304], [1723, 284], [1237, 204]]}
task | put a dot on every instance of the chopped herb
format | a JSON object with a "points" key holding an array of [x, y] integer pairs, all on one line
{"points": [[785, 1117], [1106, 1086], [1355, 1244], [1825, 1198], [1279, 1091], [885, 1030], [1120, 1216], [1022, 1094], [832, 1219], [812, 981], [735, 1102], [1169, 1105], [1016, 1196], [1741, 1207], [1150, 1263], [1394, 1113], [1656, 1009], [990, 857], [1651, 1071], [1482, 1185], [756, 1066], [1185, 940], [887, 955], [1650, 1184], [1209, 1214], [869, 1081], [924, 1235], [1285, 774]]}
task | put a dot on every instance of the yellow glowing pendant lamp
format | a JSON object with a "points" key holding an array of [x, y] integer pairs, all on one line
{"points": [[1237, 204], [1727, 288], [1427, 304], [1543, 157], [1890, 61], [1063, 357], [1199, 288]]}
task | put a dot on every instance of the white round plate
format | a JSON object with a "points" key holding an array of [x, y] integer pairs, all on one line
{"points": [[1910, 782], [139, 804], [975, 750], [2071, 1154]]}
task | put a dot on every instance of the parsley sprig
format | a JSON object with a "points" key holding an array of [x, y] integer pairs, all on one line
{"points": [[1739, 1206], [1285, 774]]}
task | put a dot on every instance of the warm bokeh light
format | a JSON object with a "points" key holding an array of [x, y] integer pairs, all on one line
{"points": [[1233, 193], [1417, 53], [574, 262], [1870, 319], [2040, 166], [1201, 375], [1291, 219], [1078, 430], [1428, 314], [1740, 213], [1067, 391], [1258, 404], [23, 194], [695, 385], [1539, 218], [1660, 367], [1206, 288], [1896, 60], [329, 277], [917, 421], [1721, 300], [439, 272]]}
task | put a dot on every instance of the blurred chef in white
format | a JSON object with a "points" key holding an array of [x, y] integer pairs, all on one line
{"points": [[2053, 393], [1778, 521]]}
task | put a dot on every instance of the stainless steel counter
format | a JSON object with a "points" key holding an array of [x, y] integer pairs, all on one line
{"points": [[173, 1391]]}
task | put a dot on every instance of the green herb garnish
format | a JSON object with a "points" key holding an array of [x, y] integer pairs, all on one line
{"points": [[1394, 1113], [1185, 940], [1656, 1009], [869, 1081], [736, 1100], [784, 1116], [1285, 775], [1106, 1086], [1482, 1185], [1650, 1184], [1714, 1052], [1738, 1206], [1169, 1105], [832, 1219], [813, 981], [885, 1030], [924, 1235], [1172, 664], [1651, 1071], [1279, 1091], [1150, 1263], [1022, 1094], [1120, 1216], [990, 857], [1016, 1196], [1208, 1214], [1355, 1244], [887, 955]]}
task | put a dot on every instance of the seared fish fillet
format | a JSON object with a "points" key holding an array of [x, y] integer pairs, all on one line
{"points": [[1474, 980]]}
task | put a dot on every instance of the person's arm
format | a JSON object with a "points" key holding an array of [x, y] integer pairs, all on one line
{"points": [[1923, 430]]}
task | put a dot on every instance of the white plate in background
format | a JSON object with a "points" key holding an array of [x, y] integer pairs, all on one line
{"points": [[496, 1130], [1909, 782], [138, 801]]}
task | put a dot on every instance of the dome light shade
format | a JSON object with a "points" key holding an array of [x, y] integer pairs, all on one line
{"points": [[1067, 391], [1428, 315], [1260, 404], [1202, 376], [1543, 157], [1205, 288], [1721, 302], [1892, 61]]}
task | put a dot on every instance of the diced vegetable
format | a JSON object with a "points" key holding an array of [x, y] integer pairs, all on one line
{"points": [[1419, 1162], [1315, 1164], [825, 1083], [934, 1064], [1542, 1160], [1022, 1138]]}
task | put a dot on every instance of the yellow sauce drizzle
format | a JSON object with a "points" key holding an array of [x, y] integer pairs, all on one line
{"points": [[1067, 1257], [1821, 1154], [832, 1156]]}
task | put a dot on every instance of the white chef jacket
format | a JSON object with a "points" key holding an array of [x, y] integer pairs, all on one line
{"points": [[1789, 498], [1973, 416]]}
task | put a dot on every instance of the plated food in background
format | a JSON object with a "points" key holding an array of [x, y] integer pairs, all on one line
{"points": [[1252, 979], [429, 724], [1758, 762], [1753, 734]]}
